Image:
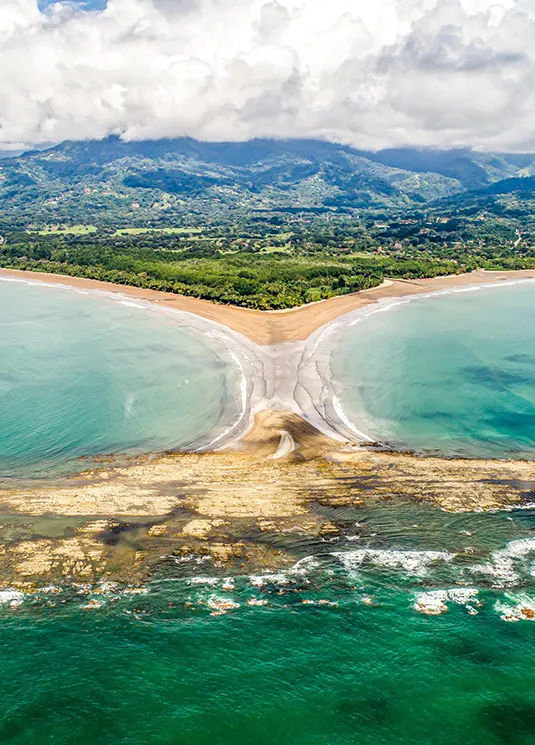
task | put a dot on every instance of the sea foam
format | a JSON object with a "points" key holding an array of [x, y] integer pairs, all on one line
{"points": [[435, 602], [505, 563], [415, 563]]}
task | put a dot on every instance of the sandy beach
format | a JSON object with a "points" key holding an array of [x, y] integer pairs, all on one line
{"points": [[283, 356], [275, 327], [292, 456]]}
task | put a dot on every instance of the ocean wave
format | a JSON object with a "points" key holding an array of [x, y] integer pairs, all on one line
{"points": [[341, 414], [12, 598], [221, 605], [435, 602], [263, 580], [505, 563], [516, 608], [416, 563]]}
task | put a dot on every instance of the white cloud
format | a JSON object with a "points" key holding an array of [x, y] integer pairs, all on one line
{"points": [[388, 72]]}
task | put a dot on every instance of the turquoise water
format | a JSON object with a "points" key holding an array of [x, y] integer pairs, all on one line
{"points": [[454, 373], [412, 627], [338, 653], [82, 375]]}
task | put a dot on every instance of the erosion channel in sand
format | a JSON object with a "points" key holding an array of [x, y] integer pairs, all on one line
{"points": [[284, 356], [290, 470]]}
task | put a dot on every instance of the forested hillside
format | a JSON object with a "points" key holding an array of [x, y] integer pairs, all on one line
{"points": [[265, 224], [114, 183]]}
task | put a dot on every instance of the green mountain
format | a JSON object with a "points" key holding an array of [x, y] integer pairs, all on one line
{"points": [[111, 182], [473, 170]]}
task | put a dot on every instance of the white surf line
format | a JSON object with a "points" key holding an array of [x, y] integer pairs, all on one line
{"points": [[322, 339], [244, 407], [228, 339], [262, 386], [395, 302], [339, 409], [286, 446], [257, 365]]}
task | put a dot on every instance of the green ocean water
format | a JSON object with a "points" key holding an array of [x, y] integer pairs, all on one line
{"points": [[338, 653], [82, 375], [454, 373], [412, 627]]}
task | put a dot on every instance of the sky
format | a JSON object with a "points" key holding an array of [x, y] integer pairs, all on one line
{"points": [[370, 73], [84, 4]]}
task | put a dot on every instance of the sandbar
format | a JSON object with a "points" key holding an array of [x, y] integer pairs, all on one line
{"points": [[284, 356]]}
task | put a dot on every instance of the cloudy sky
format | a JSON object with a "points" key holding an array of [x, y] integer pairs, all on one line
{"points": [[372, 73]]}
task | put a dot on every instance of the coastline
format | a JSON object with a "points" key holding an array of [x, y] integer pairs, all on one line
{"points": [[320, 345], [268, 328], [289, 465], [292, 371], [269, 375], [235, 512]]}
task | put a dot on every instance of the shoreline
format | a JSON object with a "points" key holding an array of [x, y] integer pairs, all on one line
{"points": [[239, 511], [293, 373], [234, 349], [269, 328], [290, 465], [321, 344]]}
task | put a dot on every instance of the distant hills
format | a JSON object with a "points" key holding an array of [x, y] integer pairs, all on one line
{"points": [[111, 182]]}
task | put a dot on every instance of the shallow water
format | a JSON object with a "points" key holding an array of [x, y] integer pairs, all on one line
{"points": [[341, 647], [82, 374], [454, 373], [339, 652]]}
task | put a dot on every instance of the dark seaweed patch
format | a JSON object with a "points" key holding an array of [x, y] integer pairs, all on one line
{"points": [[512, 722]]}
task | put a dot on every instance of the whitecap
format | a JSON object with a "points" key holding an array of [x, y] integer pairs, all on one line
{"points": [[261, 580], [303, 566], [413, 562], [13, 598], [519, 608], [435, 602], [503, 564], [221, 605]]}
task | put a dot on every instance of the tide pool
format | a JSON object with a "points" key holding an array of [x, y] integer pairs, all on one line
{"points": [[83, 374], [455, 373]]}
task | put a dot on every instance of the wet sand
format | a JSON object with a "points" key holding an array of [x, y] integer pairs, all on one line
{"points": [[276, 327]]}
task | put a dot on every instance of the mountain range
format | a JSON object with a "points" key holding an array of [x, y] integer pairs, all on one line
{"points": [[111, 181]]}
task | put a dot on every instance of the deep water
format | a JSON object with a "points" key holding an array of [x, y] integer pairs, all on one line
{"points": [[454, 373], [412, 627], [339, 648], [84, 374], [307, 675]]}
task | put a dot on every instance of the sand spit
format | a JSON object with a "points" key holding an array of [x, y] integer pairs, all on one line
{"points": [[231, 509], [293, 459], [283, 357]]}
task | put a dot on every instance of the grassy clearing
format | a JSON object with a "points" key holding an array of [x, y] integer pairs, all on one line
{"points": [[277, 249], [65, 230]]}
